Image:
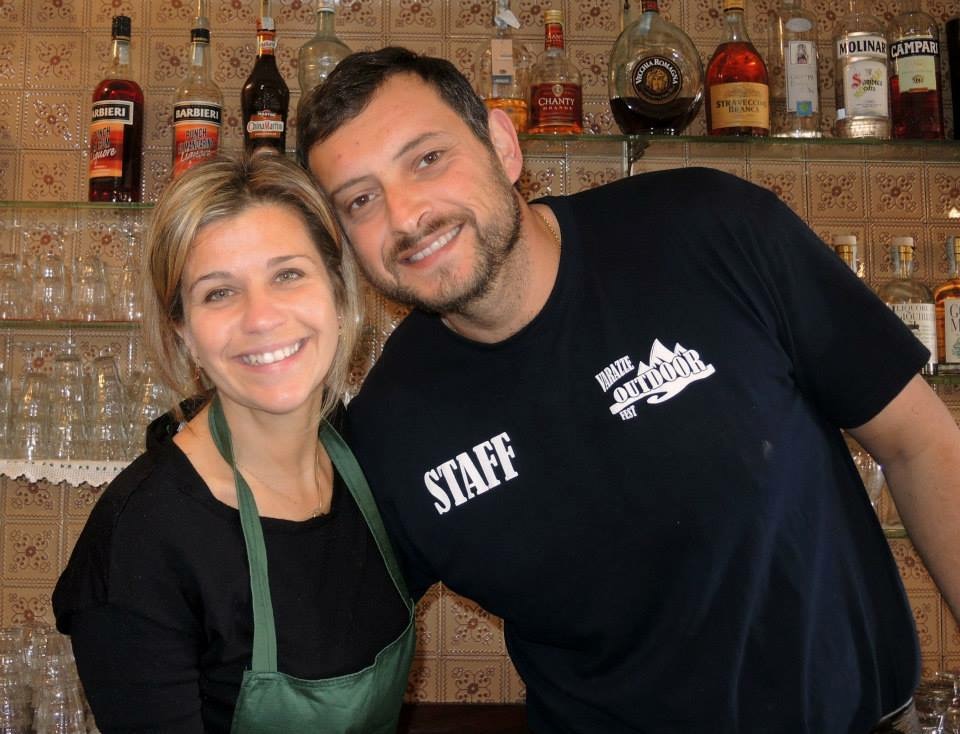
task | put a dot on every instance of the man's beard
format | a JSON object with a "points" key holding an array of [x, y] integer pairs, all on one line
{"points": [[495, 243]]}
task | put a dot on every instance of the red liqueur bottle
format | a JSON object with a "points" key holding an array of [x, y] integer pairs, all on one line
{"points": [[916, 89], [265, 97], [116, 126]]}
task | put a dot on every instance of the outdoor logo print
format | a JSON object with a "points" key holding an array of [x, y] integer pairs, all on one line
{"points": [[666, 374]]}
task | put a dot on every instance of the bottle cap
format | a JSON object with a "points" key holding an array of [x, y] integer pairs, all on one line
{"points": [[552, 15], [844, 239], [902, 241], [120, 27], [733, 4], [953, 244]]}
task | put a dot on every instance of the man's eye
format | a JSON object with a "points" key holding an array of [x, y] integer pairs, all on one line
{"points": [[430, 158], [359, 202]]}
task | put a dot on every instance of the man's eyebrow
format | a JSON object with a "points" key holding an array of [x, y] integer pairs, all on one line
{"points": [[406, 148]]}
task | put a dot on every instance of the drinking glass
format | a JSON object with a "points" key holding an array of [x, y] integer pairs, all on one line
{"points": [[150, 400], [51, 296], [31, 418], [6, 408], [68, 420], [128, 287], [871, 473], [91, 290], [107, 422], [13, 288], [15, 700]]}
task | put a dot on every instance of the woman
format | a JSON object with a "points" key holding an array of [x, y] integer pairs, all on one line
{"points": [[180, 603]]}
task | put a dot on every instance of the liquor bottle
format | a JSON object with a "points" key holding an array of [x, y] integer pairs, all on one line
{"points": [[916, 90], [946, 300], [952, 32], [503, 69], [556, 101], [318, 56], [655, 80], [629, 13], [738, 94], [198, 103], [860, 46], [116, 127], [794, 79], [910, 299], [845, 245], [265, 98]]}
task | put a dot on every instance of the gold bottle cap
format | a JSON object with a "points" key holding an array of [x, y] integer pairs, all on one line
{"points": [[552, 15], [733, 4]]}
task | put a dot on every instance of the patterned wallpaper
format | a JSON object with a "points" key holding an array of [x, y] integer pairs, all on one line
{"points": [[52, 53]]}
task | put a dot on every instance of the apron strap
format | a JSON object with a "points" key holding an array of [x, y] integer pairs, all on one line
{"points": [[264, 630]]}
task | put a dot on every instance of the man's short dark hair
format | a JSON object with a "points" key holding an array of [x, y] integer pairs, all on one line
{"points": [[353, 82]]}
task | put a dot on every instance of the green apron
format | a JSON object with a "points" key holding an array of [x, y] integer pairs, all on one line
{"points": [[367, 701]]}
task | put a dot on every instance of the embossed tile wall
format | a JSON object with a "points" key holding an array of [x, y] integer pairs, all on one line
{"points": [[52, 52]]}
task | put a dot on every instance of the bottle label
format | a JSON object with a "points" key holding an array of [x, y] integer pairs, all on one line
{"points": [[740, 104], [196, 133], [501, 60], [800, 70], [921, 319], [657, 79], [915, 63], [951, 330], [106, 137], [863, 60], [553, 36], [555, 104], [265, 124]]}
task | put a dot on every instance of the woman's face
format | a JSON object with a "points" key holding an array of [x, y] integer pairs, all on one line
{"points": [[259, 310]]}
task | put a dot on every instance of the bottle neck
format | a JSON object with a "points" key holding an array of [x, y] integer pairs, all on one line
{"points": [[903, 264], [326, 22], [200, 51], [953, 262], [553, 36], [734, 25], [120, 54], [266, 40], [648, 6]]}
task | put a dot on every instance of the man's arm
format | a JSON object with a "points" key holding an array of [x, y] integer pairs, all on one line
{"points": [[917, 442]]}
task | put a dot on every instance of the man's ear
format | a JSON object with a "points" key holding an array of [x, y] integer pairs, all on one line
{"points": [[505, 143]]}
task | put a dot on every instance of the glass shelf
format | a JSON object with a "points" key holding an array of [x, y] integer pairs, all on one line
{"points": [[103, 206], [66, 324]]}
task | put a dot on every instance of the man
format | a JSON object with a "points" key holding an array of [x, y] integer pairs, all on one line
{"points": [[613, 419]]}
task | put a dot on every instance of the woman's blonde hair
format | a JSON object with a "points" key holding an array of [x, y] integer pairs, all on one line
{"points": [[219, 189]]}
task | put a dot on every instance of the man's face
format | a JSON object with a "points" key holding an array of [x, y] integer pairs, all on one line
{"points": [[427, 208]]}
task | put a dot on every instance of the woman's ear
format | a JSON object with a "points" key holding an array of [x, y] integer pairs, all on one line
{"points": [[503, 135]]}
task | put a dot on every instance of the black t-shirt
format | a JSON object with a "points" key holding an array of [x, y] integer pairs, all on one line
{"points": [[648, 482], [156, 598]]}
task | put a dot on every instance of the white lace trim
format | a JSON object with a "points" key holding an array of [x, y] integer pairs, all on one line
{"points": [[73, 471]]}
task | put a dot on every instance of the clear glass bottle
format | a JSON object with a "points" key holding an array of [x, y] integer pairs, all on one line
{"points": [[556, 94], [910, 299], [503, 69], [860, 55], [794, 78], [265, 97], [845, 245], [946, 300], [738, 92], [655, 79], [916, 88], [116, 129], [318, 56], [198, 103]]}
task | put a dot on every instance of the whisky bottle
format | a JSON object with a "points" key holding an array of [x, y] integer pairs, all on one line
{"points": [[655, 80], [738, 94], [946, 300], [860, 48], [916, 90], [116, 127], [794, 77], [503, 69], [845, 245], [198, 103], [910, 299], [265, 98], [318, 56], [556, 101]]}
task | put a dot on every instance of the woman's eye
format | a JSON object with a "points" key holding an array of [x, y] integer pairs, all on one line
{"points": [[217, 294], [288, 275]]}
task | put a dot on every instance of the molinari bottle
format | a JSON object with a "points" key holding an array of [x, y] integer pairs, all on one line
{"points": [[116, 127], [860, 45], [946, 299], [503, 69], [794, 80], [738, 94], [265, 97], [910, 299], [318, 56], [198, 103], [556, 102], [656, 76], [916, 91]]}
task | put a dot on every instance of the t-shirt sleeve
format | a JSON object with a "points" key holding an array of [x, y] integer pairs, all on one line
{"points": [[851, 354], [134, 635]]}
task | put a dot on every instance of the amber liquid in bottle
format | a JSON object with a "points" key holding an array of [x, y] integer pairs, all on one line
{"points": [[738, 92], [556, 102], [265, 97], [116, 131], [946, 301]]}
